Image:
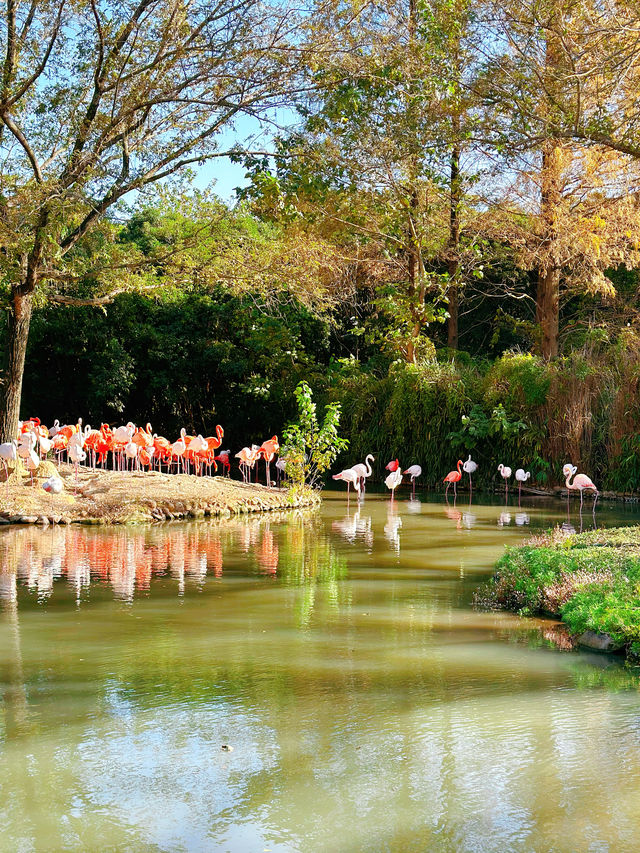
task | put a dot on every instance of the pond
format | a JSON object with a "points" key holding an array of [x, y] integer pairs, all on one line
{"points": [[365, 705]]}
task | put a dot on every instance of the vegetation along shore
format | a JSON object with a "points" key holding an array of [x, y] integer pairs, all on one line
{"points": [[589, 580]]}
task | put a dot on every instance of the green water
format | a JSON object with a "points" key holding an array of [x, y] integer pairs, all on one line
{"points": [[368, 706]]}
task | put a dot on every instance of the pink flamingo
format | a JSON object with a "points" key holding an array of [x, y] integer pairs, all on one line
{"points": [[268, 450], [351, 477], [580, 483], [392, 466], [223, 459], [453, 477]]}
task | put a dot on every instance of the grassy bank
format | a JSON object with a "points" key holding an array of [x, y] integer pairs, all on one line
{"points": [[590, 580], [108, 497]]}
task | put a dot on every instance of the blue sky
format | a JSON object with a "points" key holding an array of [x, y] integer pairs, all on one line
{"points": [[247, 131]]}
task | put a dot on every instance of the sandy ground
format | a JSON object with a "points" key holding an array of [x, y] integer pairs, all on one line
{"points": [[111, 497]]}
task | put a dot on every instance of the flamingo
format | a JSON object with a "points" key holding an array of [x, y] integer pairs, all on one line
{"points": [[8, 453], [178, 448], [196, 448], [53, 485], [247, 457], [131, 451], [26, 444], [414, 471], [392, 466], [364, 470], [45, 445], [351, 477], [223, 459], [506, 473], [281, 465], [470, 467], [393, 480], [32, 461], [268, 450], [161, 450], [76, 454], [54, 429], [580, 483], [521, 476], [453, 477]]}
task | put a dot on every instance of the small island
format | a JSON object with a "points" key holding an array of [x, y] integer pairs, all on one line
{"points": [[589, 580], [116, 497]]}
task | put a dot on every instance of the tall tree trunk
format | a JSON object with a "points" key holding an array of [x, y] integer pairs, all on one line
{"points": [[453, 265], [548, 310], [548, 290], [19, 323]]}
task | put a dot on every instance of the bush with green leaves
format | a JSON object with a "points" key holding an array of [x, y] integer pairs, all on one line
{"points": [[311, 448]]}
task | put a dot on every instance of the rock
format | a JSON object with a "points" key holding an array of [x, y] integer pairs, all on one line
{"points": [[43, 520], [28, 519], [4, 520], [599, 642], [65, 520]]}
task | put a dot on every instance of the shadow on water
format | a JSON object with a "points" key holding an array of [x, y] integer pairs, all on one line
{"points": [[336, 652]]}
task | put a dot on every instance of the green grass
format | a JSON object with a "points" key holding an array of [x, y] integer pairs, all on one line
{"points": [[590, 580]]}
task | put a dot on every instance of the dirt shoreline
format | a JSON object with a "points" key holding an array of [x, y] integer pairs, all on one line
{"points": [[111, 497]]}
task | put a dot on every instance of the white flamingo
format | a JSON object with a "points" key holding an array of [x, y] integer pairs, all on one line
{"points": [[45, 445], [364, 470], [32, 461], [393, 481], [8, 453], [414, 471], [76, 454], [351, 477], [131, 452], [506, 473], [178, 448], [521, 476], [53, 485], [470, 467]]}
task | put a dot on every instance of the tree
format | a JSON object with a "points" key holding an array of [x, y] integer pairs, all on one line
{"points": [[101, 98], [365, 168], [571, 215]]}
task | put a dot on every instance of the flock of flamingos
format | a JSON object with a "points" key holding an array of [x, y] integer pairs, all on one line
{"points": [[133, 447]]}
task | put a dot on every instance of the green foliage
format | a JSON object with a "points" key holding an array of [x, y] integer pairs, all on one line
{"points": [[311, 448], [591, 580]]}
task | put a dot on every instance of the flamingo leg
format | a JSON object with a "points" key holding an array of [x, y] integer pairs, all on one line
{"points": [[6, 472], [455, 491]]}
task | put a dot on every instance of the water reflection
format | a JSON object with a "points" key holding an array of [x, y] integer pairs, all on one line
{"points": [[354, 527], [365, 701], [392, 527], [127, 560]]}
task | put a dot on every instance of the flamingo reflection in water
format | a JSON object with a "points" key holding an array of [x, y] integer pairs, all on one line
{"points": [[353, 527], [392, 527]]}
